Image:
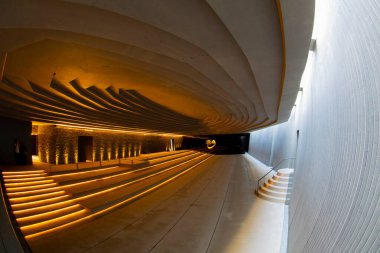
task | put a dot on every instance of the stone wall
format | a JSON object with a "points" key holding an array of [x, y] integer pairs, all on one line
{"points": [[59, 145]]}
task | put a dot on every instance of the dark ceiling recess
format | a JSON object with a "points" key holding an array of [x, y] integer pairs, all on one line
{"points": [[226, 143]]}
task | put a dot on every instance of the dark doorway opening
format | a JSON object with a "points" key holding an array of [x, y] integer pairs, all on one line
{"points": [[34, 150], [85, 148]]}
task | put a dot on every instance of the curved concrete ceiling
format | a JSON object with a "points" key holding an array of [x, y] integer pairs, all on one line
{"points": [[218, 66]]}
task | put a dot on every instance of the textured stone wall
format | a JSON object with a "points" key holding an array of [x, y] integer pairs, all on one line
{"points": [[57, 145], [335, 205]]}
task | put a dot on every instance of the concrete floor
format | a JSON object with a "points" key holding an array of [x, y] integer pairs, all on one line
{"points": [[212, 209]]}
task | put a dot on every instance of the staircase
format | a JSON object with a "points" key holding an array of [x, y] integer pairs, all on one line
{"points": [[44, 204], [278, 188]]}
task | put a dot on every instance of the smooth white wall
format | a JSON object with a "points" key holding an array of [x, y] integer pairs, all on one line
{"points": [[335, 205], [273, 144]]}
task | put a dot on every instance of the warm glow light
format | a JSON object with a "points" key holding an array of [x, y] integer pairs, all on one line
{"points": [[37, 226], [17, 200], [46, 215], [47, 155], [113, 207], [45, 208], [82, 172], [35, 158], [23, 176], [27, 179], [210, 144], [117, 131], [38, 182], [101, 153], [134, 181], [22, 172], [23, 193], [35, 187], [38, 202], [121, 174]]}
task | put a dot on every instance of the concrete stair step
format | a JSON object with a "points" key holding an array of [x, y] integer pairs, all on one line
{"points": [[33, 192], [99, 195], [29, 183], [279, 183], [27, 220], [51, 223], [36, 197], [39, 203], [30, 188], [282, 179], [273, 193], [91, 184], [42, 206], [20, 178], [272, 198], [22, 172], [42, 209], [277, 188], [286, 172]]}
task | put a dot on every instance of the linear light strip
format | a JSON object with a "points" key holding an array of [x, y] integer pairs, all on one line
{"points": [[29, 198], [23, 176], [32, 183], [31, 192], [70, 200], [27, 228], [32, 179], [22, 172], [122, 174], [31, 203], [34, 187], [82, 172], [106, 210], [47, 214], [132, 182]]}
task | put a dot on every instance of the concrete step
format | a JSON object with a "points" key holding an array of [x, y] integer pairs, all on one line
{"points": [[42, 209], [272, 193], [30, 188], [24, 178], [55, 222], [273, 199], [277, 188], [285, 172], [29, 183], [36, 197], [48, 215], [26, 193], [280, 183], [39, 203], [42, 206], [282, 179]]}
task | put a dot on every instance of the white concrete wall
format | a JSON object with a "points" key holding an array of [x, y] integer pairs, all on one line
{"points": [[273, 144], [335, 206]]}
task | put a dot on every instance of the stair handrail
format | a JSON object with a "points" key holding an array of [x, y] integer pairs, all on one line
{"points": [[274, 168]]}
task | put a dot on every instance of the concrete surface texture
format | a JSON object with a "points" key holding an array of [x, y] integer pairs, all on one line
{"points": [[227, 60], [212, 209], [336, 195]]}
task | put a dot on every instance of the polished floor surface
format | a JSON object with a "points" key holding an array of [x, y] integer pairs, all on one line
{"points": [[211, 209]]}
